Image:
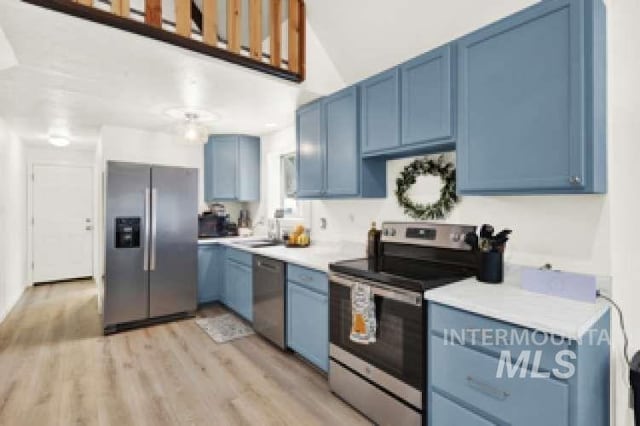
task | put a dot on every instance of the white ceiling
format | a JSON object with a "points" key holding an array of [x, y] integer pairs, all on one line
{"points": [[75, 76], [364, 37]]}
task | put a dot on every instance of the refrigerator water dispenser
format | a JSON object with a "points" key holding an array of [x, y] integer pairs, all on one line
{"points": [[127, 232]]}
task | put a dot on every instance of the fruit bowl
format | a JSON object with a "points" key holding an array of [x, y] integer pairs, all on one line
{"points": [[299, 238], [290, 245]]}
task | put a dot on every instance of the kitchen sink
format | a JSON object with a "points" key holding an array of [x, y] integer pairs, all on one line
{"points": [[258, 243]]}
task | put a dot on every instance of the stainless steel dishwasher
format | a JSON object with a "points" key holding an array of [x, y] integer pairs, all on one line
{"points": [[269, 299]]}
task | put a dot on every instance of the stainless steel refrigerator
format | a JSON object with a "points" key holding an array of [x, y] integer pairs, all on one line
{"points": [[151, 256]]}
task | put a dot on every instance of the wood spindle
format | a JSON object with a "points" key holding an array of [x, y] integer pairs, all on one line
{"points": [[255, 29], [275, 18], [294, 36], [183, 17], [120, 8], [125, 8], [210, 22], [233, 25], [153, 13], [302, 41]]}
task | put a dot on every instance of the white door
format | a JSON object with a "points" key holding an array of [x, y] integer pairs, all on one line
{"points": [[62, 222]]}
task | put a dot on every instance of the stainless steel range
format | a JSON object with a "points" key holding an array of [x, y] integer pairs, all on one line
{"points": [[386, 380]]}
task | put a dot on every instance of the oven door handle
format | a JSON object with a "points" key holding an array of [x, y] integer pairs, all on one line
{"points": [[406, 297]]}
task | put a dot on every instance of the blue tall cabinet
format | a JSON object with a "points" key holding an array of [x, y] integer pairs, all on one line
{"points": [[232, 168], [532, 102], [329, 159]]}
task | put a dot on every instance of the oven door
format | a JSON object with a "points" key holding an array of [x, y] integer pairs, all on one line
{"points": [[399, 347]]}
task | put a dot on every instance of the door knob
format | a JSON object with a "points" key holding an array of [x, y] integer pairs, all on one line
{"points": [[575, 180]]}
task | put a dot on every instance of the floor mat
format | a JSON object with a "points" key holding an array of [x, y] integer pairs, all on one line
{"points": [[224, 328]]}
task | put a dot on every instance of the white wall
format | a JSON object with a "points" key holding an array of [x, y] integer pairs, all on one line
{"points": [[571, 232], [140, 146], [624, 175], [272, 147], [13, 224]]}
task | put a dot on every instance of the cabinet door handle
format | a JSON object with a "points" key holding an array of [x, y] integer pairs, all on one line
{"points": [[487, 389], [575, 180], [267, 266]]}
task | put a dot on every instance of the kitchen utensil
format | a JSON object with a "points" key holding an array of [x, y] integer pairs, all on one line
{"points": [[499, 240], [486, 231], [472, 240]]}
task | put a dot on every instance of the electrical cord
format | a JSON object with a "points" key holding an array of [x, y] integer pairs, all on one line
{"points": [[624, 331]]}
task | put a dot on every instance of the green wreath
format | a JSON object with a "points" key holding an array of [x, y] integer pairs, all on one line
{"points": [[427, 166]]}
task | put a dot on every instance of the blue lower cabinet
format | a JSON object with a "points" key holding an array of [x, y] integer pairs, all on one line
{"points": [[448, 413], [210, 272], [238, 284], [483, 372], [308, 323]]}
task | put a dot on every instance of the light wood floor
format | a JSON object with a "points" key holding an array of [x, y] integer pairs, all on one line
{"points": [[56, 368]]}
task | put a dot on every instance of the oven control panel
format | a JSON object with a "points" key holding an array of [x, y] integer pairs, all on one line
{"points": [[427, 234]]}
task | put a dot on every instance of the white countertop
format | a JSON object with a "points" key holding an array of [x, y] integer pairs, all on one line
{"points": [[318, 256], [510, 303]]}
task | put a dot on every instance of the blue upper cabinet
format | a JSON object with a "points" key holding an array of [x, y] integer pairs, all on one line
{"points": [[249, 165], [221, 162], [329, 157], [342, 152], [310, 151], [380, 120], [232, 168], [428, 100], [532, 102]]}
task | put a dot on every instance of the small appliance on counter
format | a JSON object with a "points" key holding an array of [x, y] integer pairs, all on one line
{"points": [[489, 248], [386, 377], [216, 223]]}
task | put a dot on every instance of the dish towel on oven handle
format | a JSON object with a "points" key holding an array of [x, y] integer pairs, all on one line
{"points": [[363, 312]]}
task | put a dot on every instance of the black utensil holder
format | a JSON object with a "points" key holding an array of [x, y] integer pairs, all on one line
{"points": [[490, 267]]}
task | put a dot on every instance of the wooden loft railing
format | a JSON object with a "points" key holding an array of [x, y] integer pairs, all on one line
{"points": [[196, 26]]}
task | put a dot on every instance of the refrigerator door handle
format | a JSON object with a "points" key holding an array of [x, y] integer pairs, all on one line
{"points": [[147, 216], [154, 214]]}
